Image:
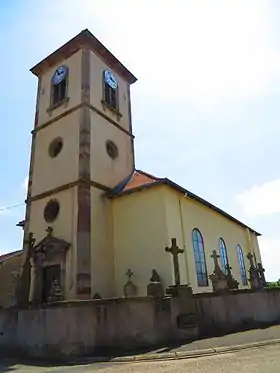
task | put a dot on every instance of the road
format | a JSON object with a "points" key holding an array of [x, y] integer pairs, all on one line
{"points": [[258, 360]]}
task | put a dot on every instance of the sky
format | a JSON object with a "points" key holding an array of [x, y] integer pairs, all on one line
{"points": [[205, 107]]}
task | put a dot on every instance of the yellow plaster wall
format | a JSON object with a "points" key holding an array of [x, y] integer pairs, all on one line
{"points": [[212, 226], [140, 237], [74, 64], [102, 256], [255, 243], [105, 170], [64, 227], [173, 205], [96, 91], [50, 173]]}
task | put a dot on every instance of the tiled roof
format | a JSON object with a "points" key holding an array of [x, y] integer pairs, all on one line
{"points": [[9, 255], [139, 178]]}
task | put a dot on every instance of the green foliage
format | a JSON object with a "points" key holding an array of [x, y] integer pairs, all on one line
{"points": [[273, 284]]}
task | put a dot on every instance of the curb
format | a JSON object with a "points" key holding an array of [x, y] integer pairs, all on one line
{"points": [[183, 354]]}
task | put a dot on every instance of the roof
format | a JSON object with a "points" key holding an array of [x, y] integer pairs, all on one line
{"points": [[84, 38], [5, 257], [139, 180]]}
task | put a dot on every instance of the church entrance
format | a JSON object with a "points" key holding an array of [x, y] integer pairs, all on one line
{"points": [[51, 275]]}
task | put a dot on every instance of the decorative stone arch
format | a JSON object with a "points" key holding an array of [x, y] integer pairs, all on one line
{"points": [[51, 251]]}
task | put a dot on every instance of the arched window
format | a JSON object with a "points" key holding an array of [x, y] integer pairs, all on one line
{"points": [[59, 85], [223, 255], [199, 258], [241, 263], [110, 90]]}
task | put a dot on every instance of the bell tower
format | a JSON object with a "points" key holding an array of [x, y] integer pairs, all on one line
{"points": [[82, 147]]}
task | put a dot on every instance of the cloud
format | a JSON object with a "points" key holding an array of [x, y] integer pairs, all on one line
{"points": [[24, 185], [260, 200], [270, 250]]}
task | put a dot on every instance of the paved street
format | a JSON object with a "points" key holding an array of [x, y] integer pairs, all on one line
{"points": [[250, 336], [259, 360]]}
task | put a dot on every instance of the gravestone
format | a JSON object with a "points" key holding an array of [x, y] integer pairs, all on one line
{"points": [[232, 283], [130, 289], [55, 292], [218, 278], [187, 317], [254, 278], [155, 288], [97, 296], [261, 271]]}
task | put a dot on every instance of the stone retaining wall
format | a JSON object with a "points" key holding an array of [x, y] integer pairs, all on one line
{"points": [[99, 326], [90, 327], [237, 310]]}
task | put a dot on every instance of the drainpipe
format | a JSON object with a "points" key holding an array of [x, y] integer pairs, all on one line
{"points": [[183, 238]]}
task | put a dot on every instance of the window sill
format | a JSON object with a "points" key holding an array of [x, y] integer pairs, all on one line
{"points": [[58, 104], [115, 111]]}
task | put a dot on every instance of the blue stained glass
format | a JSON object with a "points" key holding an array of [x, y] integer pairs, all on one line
{"points": [[223, 255], [199, 257], [242, 267]]}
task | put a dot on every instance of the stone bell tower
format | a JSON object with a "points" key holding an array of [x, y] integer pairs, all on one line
{"points": [[82, 147]]}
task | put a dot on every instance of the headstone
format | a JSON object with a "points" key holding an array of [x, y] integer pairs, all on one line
{"points": [[232, 283], [55, 292], [129, 289], [254, 278], [261, 271], [155, 288], [97, 296], [218, 278]]}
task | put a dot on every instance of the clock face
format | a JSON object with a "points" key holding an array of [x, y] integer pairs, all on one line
{"points": [[110, 79], [59, 74]]}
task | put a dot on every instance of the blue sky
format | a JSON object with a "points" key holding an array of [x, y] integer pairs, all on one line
{"points": [[205, 108]]}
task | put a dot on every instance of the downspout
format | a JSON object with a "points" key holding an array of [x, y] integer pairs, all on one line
{"points": [[183, 239]]}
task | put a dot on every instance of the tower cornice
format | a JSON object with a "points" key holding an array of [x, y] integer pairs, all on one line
{"points": [[84, 39]]}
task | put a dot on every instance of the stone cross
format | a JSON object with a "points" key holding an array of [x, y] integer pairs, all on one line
{"points": [[215, 256], [174, 251], [129, 274], [250, 257], [261, 274]]}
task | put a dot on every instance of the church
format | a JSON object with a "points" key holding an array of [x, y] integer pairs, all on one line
{"points": [[98, 222]]}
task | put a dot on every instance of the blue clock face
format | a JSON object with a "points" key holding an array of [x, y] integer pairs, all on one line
{"points": [[110, 79], [59, 74]]}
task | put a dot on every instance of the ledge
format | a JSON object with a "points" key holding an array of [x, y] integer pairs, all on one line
{"points": [[58, 104], [113, 110]]}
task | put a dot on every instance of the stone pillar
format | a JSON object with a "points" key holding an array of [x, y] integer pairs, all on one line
{"points": [[83, 279]]}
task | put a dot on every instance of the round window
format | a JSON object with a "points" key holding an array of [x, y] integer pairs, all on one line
{"points": [[55, 147], [112, 149], [51, 211]]}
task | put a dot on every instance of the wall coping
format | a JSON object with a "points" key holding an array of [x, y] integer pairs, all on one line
{"points": [[235, 292], [89, 302]]}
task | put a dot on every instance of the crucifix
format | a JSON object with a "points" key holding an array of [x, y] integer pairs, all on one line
{"points": [[129, 274], [250, 257], [261, 274], [217, 269], [215, 257], [174, 251]]}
